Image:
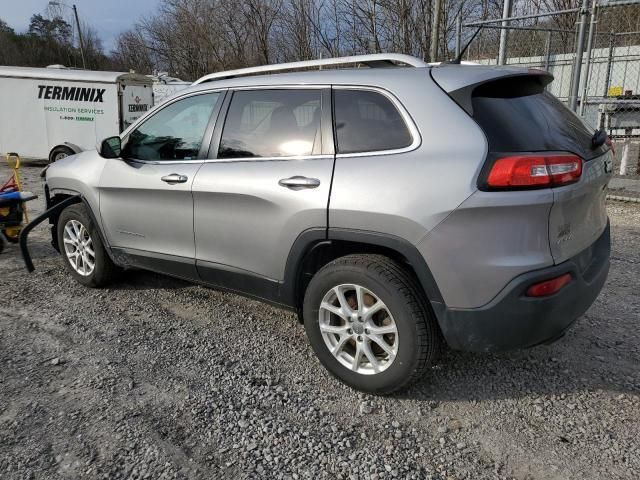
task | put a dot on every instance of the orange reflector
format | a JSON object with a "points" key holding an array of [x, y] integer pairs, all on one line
{"points": [[549, 287]]}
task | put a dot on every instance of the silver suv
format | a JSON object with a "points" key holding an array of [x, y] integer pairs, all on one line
{"points": [[394, 209]]}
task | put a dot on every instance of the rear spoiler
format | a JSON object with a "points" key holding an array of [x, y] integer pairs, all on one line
{"points": [[460, 81]]}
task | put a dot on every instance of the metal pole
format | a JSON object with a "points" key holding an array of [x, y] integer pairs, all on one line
{"points": [[523, 17], [75, 12], [534, 29], [607, 80], [435, 31], [504, 33], [459, 33], [577, 66], [587, 67], [547, 51]]}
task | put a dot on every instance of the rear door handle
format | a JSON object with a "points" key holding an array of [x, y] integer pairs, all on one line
{"points": [[174, 178], [298, 182]]}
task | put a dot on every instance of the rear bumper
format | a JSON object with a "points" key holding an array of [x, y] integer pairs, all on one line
{"points": [[513, 320]]}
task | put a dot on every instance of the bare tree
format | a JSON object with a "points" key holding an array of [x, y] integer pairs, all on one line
{"points": [[190, 38], [260, 16]]}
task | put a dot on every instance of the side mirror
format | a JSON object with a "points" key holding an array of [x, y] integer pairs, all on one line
{"points": [[111, 147]]}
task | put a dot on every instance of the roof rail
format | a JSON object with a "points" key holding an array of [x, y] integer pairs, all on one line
{"points": [[372, 60]]}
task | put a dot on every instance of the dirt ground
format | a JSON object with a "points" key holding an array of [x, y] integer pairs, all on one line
{"points": [[156, 378]]}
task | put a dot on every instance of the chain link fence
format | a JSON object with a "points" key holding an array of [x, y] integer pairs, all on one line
{"points": [[599, 77]]}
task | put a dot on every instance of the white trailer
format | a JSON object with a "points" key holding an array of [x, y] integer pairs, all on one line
{"points": [[165, 86], [55, 112]]}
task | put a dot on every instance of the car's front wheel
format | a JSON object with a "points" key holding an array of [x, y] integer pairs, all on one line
{"points": [[369, 324], [82, 250]]}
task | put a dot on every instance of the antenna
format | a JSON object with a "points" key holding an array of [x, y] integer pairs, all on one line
{"points": [[458, 59]]}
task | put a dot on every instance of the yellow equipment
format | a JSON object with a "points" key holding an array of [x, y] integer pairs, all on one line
{"points": [[13, 217]]}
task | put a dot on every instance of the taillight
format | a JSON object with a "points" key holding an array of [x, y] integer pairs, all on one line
{"points": [[535, 170], [549, 287]]}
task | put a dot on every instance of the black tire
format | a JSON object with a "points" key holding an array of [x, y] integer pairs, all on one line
{"points": [[104, 270], [419, 337], [59, 153]]}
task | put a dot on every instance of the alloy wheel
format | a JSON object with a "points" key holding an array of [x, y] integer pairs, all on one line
{"points": [[78, 247], [358, 329]]}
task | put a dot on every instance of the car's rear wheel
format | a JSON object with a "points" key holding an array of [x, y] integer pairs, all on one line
{"points": [[81, 247], [369, 323]]}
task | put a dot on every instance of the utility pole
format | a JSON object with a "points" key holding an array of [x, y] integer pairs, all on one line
{"points": [[75, 12], [55, 3], [504, 32], [435, 30]]}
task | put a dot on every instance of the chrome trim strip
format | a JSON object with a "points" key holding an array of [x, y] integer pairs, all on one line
{"points": [[269, 159], [230, 160], [125, 232], [413, 129], [283, 86], [161, 162]]}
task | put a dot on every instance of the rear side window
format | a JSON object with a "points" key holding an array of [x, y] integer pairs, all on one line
{"points": [[367, 121], [272, 123], [518, 115]]}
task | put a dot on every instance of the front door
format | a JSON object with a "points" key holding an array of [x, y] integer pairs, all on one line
{"points": [[268, 183], [146, 203]]}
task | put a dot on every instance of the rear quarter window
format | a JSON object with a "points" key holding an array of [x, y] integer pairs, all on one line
{"points": [[367, 121]]}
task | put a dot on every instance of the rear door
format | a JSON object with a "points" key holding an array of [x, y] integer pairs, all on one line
{"points": [[266, 181], [517, 115]]}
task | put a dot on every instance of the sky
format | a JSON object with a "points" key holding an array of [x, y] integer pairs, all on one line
{"points": [[108, 17]]}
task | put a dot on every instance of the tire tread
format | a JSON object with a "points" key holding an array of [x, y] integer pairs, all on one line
{"points": [[107, 271], [428, 333]]}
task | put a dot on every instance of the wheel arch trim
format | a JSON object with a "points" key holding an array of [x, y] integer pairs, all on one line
{"points": [[53, 210], [400, 245], [311, 239]]}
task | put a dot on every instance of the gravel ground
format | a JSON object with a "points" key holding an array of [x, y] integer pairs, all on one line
{"points": [[627, 186], [156, 378]]}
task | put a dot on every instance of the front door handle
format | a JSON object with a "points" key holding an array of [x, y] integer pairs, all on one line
{"points": [[297, 182], [174, 178]]}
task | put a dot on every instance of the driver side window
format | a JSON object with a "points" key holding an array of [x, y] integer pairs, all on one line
{"points": [[173, 133]]}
